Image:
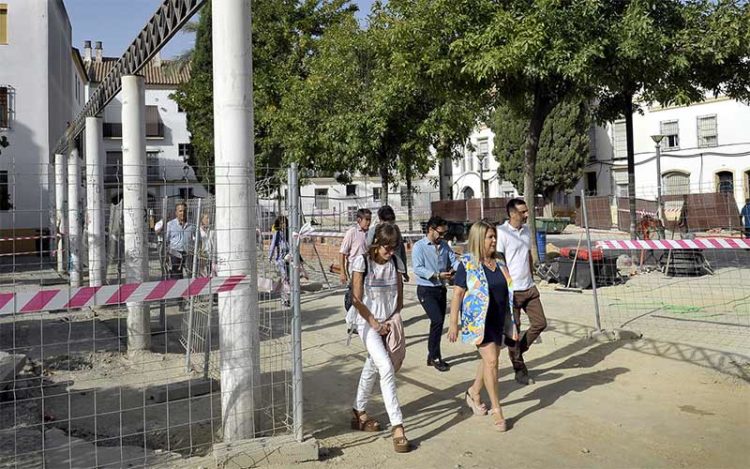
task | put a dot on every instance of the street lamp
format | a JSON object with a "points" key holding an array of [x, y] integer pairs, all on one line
{"points": [[659, 202], [481, 186]]}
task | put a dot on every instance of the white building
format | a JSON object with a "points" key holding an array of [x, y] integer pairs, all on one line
{"points": [[37, 100], [478, 163], [705, 148], [167, 138]]}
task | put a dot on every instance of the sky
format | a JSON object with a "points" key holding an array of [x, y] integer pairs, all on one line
{"points": [[117, 22]]}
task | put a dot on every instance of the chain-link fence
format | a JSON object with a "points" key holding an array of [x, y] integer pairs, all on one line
{"points": [[133, 371], [685, 277]]}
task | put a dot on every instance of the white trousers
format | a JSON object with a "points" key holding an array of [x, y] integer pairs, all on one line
{"points": [[378, 363]]}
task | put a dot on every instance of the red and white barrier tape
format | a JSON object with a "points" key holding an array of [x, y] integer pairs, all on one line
{"points": [[26, 238], [698, 243], [75, 298]]}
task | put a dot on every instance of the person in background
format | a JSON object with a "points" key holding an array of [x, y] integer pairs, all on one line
{"points": [[354, 243], [434, 263], [179, 237], [207, 245], [387, 215], [514, 243], [378, 297], [279, 256], [746, 217], [483, 298]]}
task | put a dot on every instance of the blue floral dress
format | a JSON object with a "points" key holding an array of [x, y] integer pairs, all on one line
{"points": [[486, 311]]}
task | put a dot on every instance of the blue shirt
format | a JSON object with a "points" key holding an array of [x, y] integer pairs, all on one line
{"points": [[179, 237], [746, 215], [429, 259]]}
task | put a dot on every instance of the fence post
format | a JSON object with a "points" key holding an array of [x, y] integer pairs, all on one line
{"points": [[591, 260], [294, 227], [191, 310]]}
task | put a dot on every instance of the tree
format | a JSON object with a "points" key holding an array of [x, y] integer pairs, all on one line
{"points": [[285, 34], [672, 52], [563, 146], [532, 54]]}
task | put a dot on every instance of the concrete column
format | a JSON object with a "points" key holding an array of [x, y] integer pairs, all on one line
{"points": [[134, 205], [61, 209], [74, 219], [95, 201], [235, 227]]}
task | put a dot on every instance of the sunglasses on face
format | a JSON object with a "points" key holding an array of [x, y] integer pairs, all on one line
{"points": [[389, 248]]}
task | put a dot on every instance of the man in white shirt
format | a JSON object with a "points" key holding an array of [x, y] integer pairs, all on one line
{"points": [[514, 243]]}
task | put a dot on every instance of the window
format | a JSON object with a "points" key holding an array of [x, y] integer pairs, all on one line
{"points": [[406, 197], [468, 193], [3, 23], [484, 153], [708, 135], [152, 166], [154, 127], [185, 151], [112, 130], [508, 194], [351, 190], [670, 130], [186, 193], [725, 182], [620, 140], [676, 183], [376, 194], [321, 198], [4, 192], [591, 183], [621, 183], [4, 107], [468, 163]]}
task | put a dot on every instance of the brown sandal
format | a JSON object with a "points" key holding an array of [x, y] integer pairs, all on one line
{"points": [[400, 443], [364, 425]]}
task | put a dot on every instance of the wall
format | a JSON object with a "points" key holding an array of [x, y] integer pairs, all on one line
{"points": [[175, 133], [28, 154]]}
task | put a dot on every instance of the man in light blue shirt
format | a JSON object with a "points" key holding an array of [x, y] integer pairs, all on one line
{"points": [[179, 238], [434, 264]]}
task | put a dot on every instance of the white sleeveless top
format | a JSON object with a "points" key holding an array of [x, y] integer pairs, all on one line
{"points": [[380, 290]]}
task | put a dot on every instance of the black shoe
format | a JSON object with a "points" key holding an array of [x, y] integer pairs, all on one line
{"points": [[439, 364], [522, 377]]}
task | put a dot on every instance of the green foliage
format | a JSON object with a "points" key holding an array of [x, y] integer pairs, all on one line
{"points": [[196, 98], [285, 34], [563, 146]]}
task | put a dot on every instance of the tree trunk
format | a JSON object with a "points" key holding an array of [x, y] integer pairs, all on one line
{"points": [[628, 110], [409, 201], [384, 180], [549, 204], [538, 115], [446, 171]]}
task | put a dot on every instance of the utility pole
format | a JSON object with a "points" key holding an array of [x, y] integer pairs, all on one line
{"points": [[659, 201], [239, 337], [134, 205]]}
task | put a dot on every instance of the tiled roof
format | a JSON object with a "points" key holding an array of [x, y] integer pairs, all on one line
{"points": [[168, 74]]}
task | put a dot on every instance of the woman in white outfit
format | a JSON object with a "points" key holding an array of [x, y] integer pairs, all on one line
{"points": [[377, 293]]}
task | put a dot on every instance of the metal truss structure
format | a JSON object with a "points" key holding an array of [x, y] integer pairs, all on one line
{"points": [[166, 22]]}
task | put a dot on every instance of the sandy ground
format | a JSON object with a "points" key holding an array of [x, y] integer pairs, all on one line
{"points": [[648, 402]]}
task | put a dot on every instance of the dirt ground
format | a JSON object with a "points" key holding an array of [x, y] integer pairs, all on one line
{"points": [[627, 403]]}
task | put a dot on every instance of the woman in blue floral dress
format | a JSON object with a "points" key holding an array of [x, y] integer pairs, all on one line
{"points": [[483, 301]]}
